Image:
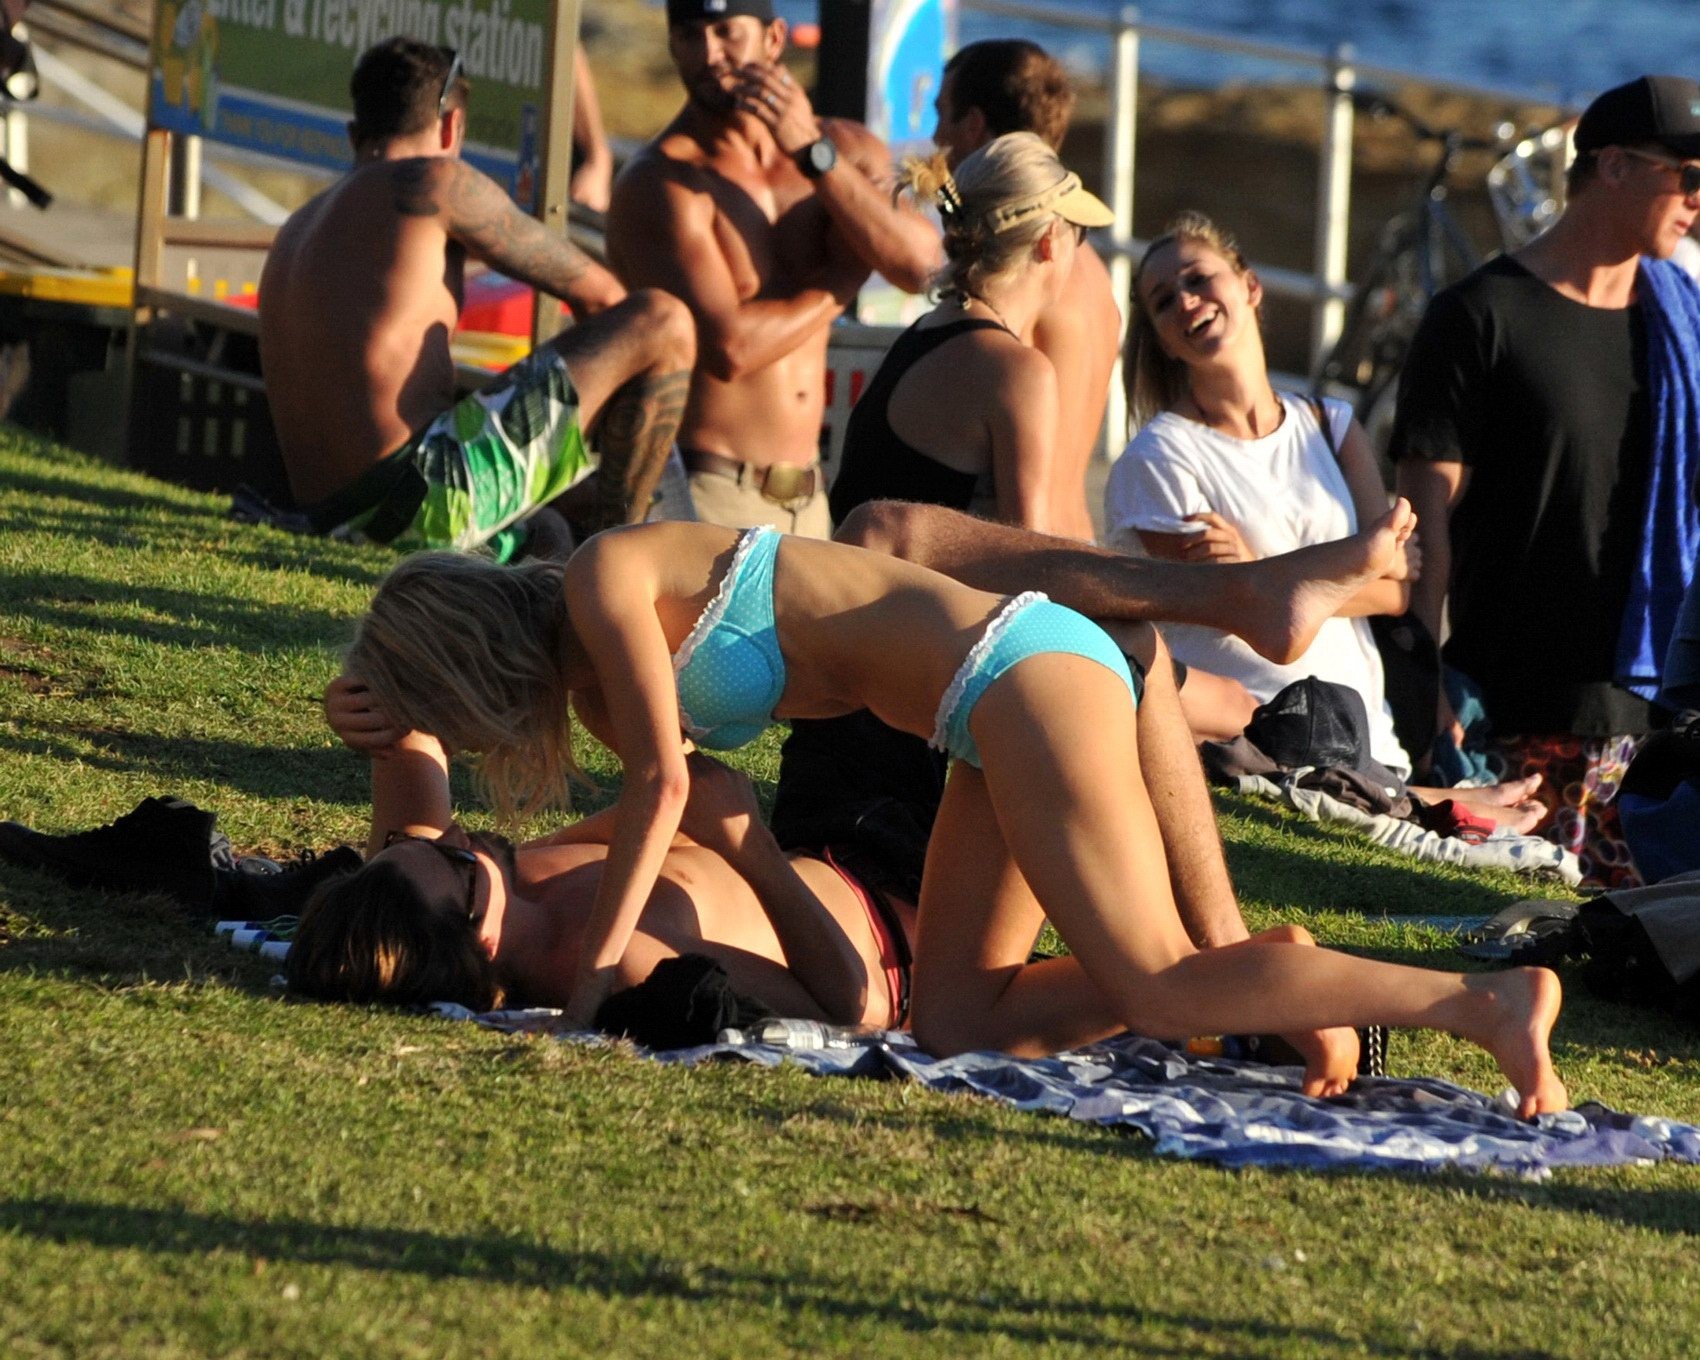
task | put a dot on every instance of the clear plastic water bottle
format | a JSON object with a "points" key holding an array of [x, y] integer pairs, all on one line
{"points": [[781, 1033]]}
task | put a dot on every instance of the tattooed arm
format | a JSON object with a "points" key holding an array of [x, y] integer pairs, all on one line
{"points": [[477, 214]]}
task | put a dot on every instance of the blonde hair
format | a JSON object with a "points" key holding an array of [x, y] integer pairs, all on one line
{"points": [[469, 651], [987, 234], [1157, 381]]}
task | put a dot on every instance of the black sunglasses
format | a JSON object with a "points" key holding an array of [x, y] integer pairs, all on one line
{"points": [[456, 67], [1687, 172], [455, 854]]}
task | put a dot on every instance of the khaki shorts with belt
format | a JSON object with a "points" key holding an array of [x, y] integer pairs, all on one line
{"points": [[741, 495]]}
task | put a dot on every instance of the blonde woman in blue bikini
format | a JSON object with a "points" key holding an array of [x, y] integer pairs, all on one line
{"points": [[665, 633]]}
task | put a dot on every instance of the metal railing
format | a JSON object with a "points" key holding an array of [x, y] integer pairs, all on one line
{"points": [[1325, 288]]}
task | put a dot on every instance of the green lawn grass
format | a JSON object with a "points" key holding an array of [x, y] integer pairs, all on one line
{"points": [[191, 1165]]}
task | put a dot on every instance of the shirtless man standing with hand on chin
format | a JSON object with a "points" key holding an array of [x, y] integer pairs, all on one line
{"points": [[766, 221]]}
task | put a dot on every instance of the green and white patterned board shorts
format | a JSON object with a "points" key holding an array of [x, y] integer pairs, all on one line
{"points": [[465, 479]]}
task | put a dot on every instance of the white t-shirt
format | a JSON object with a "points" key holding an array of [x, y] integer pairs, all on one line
{"points": [[1283, 491]]}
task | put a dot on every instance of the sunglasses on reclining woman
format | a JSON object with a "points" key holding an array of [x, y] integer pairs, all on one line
{"points": [[457, 855]]}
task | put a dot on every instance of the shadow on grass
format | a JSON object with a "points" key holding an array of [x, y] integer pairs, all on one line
{"points": [[1283, 878], [114, 529], [71, 484], [275, 550], [195, 618], [237, 542], [111, 940], [518, 1262], [1659, 1208], [324, 774]]}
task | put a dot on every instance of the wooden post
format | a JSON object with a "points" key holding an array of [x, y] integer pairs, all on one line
{"points": [[555, 149], [149, 267]]}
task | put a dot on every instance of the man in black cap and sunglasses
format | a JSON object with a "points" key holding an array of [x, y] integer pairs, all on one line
{"points": [[361, 292], [1532, 424], [766, 220]]}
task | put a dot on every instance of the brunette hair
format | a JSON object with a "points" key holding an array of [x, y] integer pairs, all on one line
{"points": [[1155, 380], [398, 91], [1016, 85], [468, 650], [976, 203], [373, 936]]}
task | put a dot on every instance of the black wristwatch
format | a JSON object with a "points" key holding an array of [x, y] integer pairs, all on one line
{"points": [[819, 156]]}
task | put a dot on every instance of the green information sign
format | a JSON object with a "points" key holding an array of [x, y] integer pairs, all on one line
{"points": [[272, 75]]}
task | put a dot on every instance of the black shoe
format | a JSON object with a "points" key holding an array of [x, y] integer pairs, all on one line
{"points": [[243, 895], [164, 845], [1276, 1051]]}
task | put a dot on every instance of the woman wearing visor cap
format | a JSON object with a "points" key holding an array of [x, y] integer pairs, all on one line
{"points": [[963, 411]]}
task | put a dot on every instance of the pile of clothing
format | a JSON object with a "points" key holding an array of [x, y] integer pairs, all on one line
{"points": [[1308, 748]]}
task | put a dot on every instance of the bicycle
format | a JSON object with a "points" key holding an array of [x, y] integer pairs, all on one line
{"points": [[1420, 251]]}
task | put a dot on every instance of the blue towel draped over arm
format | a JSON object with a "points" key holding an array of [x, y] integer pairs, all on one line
{"points": [[1671, 526]]}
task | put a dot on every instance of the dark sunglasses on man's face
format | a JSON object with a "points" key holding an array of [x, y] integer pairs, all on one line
{"points": [[456, 67], [1687, 172], [457, 855]]}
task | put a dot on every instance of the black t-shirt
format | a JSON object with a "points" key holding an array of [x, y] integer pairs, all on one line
{"points": [[1545, 400]]}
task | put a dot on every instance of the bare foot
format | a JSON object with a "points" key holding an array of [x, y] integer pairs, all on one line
{"points": [[1510, 805], [1331, 1059], [1293, 595], [1330, 1056], [1524, 1005]]}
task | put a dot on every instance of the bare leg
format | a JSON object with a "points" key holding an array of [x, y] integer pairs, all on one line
{"points": [[631, 366], [1180, 801], [1096, 863], [1216, 707], [1276, 604]]}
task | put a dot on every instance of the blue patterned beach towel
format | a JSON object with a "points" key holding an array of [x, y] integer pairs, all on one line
{"points": [[1223, 1111]]}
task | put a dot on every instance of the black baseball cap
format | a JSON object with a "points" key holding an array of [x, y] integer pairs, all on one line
{"points": [[707, 11], [1662, 109]]}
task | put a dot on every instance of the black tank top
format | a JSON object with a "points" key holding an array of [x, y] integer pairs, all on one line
{"points": [[880, 466]]}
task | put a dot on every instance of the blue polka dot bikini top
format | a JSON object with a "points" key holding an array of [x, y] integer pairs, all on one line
{"points": [[729, 670]]}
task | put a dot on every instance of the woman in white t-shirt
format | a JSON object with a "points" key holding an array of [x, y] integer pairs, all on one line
{"points": [[1225, 469]]}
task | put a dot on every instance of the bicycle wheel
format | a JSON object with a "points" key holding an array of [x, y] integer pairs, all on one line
{"points": [[1374, 320]]}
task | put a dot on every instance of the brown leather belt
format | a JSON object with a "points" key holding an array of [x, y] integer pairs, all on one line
{"points": [[781, 483]]}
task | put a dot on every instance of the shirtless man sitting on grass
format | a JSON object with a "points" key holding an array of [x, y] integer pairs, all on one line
{"points": [[361, 293]]}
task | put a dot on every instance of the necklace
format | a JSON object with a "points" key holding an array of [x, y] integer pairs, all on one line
{"points": [[963, 299], [1204, 418]]}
